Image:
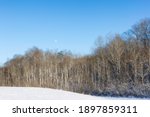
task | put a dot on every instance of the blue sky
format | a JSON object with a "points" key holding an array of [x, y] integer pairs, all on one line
{"points": [[64, 24]]}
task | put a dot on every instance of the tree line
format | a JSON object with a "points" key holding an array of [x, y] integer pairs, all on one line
{"points": [[119, 68]]}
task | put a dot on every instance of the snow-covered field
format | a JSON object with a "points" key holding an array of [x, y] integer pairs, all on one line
{"points": [[28, 93], [32, 93]]}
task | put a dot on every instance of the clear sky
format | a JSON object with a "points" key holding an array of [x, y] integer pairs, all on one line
{"points": [[64, 24]]}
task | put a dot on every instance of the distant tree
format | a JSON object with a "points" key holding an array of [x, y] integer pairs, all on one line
{"points": [[141, 31]]}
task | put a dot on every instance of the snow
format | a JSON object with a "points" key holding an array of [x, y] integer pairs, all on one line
{"points": [[34, 93], [30, 93]]}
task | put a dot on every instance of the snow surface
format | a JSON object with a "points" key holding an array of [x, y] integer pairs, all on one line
{"points": [[32, 93], [28, 93]]}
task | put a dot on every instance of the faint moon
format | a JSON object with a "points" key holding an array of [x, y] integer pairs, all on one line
{"points": [[55, 41]]}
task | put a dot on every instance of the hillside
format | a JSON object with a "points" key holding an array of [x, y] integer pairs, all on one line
{"points": [[119, 68]]}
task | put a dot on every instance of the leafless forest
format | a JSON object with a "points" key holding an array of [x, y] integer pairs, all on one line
{"points": [[119, 68]]}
